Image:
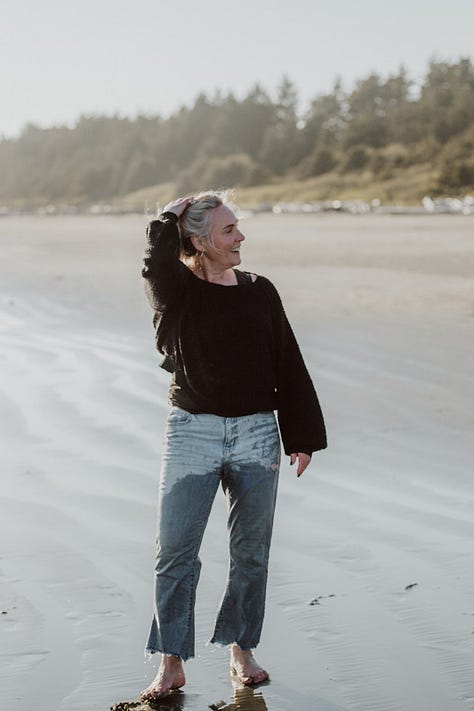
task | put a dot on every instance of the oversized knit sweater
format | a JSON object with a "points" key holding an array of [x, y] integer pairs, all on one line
{"points": [[231, 349]]}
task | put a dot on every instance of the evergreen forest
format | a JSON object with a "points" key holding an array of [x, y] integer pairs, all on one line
{"points": [[385, 137]]}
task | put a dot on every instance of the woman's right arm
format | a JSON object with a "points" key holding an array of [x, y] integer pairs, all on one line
{"points": [[164, 272]]}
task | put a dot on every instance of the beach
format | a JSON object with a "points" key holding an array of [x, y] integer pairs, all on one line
{"points": [[371, 581]]}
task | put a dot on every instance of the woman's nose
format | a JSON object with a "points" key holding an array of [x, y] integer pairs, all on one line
{"points": [[241, 236]]}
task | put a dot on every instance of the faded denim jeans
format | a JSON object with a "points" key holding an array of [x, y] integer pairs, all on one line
{"points": [[201, 452]]}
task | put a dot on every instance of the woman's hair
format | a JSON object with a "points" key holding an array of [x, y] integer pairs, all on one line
{"points": [[196, 219]]}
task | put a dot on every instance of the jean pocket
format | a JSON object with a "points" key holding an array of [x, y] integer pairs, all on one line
{"points": [[177, 415], [266, 415]]}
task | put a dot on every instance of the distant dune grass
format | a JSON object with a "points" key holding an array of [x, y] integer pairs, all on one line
{"points": [[147, 199], [405, 187]]}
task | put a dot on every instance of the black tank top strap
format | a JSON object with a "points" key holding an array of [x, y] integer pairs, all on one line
{"points": [[242, 277]]}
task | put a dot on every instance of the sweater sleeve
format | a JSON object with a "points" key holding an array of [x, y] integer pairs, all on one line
{"points": [[299, 413], [162, 269]]}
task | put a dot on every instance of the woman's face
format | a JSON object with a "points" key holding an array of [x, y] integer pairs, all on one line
{"points": [[225, 238]]}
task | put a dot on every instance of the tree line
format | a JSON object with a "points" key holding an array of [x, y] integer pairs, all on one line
{"points": [[381, 125]]}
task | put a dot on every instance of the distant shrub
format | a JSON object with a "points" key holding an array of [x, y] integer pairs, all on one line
{"points": [[356, 158], [320, 162], [388, 160], [213, 173], [455, 174]]}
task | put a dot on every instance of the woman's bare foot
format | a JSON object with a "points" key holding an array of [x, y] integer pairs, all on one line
{"points": [[170, 677], [244, 666]]}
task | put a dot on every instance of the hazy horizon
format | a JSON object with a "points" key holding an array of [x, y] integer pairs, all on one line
{"points": [[71, 59]]}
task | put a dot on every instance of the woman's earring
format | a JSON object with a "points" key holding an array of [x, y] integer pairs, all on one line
{"points": [[198, 261]]}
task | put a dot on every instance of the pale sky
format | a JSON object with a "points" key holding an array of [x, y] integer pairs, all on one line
{"points": [[61, 58]]}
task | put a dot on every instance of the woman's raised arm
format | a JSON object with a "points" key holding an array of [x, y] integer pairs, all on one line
{"points": [[163, 270]]}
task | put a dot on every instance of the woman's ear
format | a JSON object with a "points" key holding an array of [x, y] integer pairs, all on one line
{"points": [[197, 242]]}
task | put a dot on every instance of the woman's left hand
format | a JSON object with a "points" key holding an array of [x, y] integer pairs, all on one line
{"points": [[303, 461]]}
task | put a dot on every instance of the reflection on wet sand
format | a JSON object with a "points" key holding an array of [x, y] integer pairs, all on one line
{"points": [[170, 704], [245, 698]]}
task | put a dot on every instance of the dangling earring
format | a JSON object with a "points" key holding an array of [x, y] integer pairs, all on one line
{"points": [[198, 261]]}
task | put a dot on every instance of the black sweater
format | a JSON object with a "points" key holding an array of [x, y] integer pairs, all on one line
{"points": [[231, 349]]}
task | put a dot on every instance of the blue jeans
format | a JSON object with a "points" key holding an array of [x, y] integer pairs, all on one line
{"points": [[201, 452]]}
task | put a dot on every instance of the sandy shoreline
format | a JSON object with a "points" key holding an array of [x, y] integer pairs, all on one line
{"points": [[384, 310]]}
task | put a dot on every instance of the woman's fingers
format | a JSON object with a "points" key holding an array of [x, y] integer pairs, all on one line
{"points": [[303, 461], [178, 206]]}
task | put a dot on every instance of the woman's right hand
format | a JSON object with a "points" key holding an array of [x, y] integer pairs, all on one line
{"points": [[178, 206]]}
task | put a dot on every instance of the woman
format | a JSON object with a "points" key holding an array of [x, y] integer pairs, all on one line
{"points": [[234, 361]]}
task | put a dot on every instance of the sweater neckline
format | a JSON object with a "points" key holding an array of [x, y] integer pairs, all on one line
{"points": [[223, 286]]}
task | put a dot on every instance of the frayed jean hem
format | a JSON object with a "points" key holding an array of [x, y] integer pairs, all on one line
{"points": [[228, 645], [148, 653]]}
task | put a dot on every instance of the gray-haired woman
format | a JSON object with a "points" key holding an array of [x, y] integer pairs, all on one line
{"points": [[234, 361]]}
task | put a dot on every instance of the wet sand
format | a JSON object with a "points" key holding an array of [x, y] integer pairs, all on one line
{"points": [[370, 598]]}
